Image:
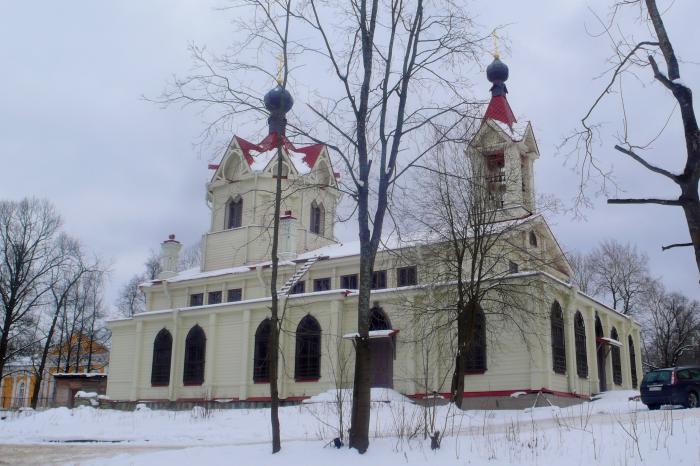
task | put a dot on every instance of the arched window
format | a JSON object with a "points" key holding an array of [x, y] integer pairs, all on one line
{"points": [[580, 337], [162, 353], [558, 344], [308, 350], [633, 362], [475, 360], [195, 347], [261, 352], [318, 214], [378, 319], [234, 213], [616, 364], [533, 239]]}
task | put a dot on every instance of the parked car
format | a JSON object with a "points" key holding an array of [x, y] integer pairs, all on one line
{"points": [[671, 386]]}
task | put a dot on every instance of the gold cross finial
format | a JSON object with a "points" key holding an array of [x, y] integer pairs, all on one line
{"points": [[496, 53], [280, 68]]}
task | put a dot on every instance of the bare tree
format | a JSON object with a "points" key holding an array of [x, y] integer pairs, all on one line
{"points": [[191, 256], [63, 280], [620, 274], [672, 327], [584, 273], [471, 257], [394, 64], [395, 72], [632, 56], [29, 253]]}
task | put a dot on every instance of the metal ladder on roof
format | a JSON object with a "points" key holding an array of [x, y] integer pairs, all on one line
{"points": [[294, 279]]}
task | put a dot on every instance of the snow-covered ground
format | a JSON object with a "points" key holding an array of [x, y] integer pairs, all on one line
{"points": [[609, 431]]}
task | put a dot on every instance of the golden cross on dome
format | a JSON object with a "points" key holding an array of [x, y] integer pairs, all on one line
{"points": [[280, 67], [496, 53]]}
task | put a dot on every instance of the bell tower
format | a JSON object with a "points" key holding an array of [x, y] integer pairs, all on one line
{"points": [[505, 150]]}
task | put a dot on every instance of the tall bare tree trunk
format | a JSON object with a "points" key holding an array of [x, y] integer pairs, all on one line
{"points": [[273, 352]]}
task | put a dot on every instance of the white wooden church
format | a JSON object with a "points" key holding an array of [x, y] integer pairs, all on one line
{"points": [[204, 335]]}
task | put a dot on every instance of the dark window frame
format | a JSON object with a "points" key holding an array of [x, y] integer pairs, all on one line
{"points": [[316, 222], [379, 281], [513, 267], [307, 354], [556, 318], [378, 320], [533, 239], [407, 276], [475, 359], [196, 299], [298, 288], [347, 281], [162, 359], [616, 360], [232, 292], [217, 295], [195, 357], [580, 343], [261, 352], [322, 284], [234, 213]]}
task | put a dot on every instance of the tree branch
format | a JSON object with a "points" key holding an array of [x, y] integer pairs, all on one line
{"points": [[673, 202], [647, 165], [676, 245]]}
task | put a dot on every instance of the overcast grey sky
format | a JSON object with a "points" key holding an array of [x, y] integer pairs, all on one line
{"points": [[124, 173]]}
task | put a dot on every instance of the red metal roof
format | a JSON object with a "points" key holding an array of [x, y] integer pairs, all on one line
{"points": [[500, 110]]}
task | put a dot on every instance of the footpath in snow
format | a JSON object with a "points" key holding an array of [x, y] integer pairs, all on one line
{"points": [[609, 431]]}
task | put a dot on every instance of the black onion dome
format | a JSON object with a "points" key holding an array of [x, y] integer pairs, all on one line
{"points": [[497, 71], [278, 100]]}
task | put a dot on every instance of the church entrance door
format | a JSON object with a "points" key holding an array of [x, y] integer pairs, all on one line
{"points": [[382, 362], [381, 346]]}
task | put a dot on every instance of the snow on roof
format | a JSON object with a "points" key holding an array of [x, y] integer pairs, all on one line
{"points": [[609, 341], [516, 132], [80, 374], [372, 334]]}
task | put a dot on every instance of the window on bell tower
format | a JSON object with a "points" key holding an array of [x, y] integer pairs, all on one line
{"points": [[318, 214], [234, 213]]}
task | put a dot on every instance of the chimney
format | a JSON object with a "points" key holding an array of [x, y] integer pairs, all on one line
{"points": [[169, 253], [287, 237]]}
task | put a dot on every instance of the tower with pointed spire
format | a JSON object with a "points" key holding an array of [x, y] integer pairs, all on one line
{"points": [[505, 150]]}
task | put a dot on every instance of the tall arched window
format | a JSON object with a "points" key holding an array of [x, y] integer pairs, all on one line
{"points": [[195, 348], [234, 213], [162, 354], [307, 360], [558, 343], [318, 215], [261, 352], [580, 337], [475, 360], [616, 364], [633, 362]]}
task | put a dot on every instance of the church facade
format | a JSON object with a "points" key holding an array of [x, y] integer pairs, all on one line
{"points": [[204, 335]]}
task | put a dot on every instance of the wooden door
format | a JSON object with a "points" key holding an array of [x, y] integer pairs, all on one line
{"points": [[382, 361]]}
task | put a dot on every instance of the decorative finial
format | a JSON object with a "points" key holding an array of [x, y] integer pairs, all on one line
{"points": [[280, 68], [496, 53]]}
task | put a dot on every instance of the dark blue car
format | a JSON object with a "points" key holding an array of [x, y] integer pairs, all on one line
{"points": [[672, 386]]}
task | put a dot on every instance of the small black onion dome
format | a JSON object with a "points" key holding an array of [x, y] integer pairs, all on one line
{"points": [[278, 100], [497, 71]]}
